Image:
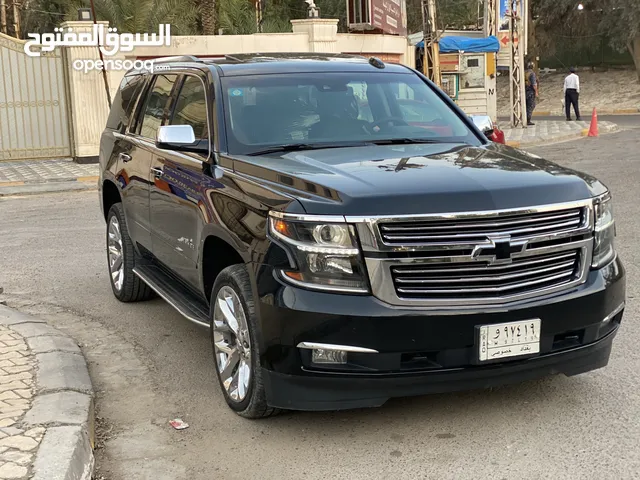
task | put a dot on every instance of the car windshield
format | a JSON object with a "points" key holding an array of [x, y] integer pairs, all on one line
{"points": [[324, 109]]}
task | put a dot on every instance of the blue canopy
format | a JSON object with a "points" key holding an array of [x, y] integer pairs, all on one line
{"points": [[466, 44]]}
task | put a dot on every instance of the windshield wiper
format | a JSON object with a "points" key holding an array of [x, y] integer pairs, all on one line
{"points": [[292, 147], [404, 141]]}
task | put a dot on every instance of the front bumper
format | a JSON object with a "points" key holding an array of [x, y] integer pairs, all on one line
{"points": [[421, 352]]}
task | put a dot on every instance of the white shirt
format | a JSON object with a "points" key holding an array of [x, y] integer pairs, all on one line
{"points": [[572, 81]]}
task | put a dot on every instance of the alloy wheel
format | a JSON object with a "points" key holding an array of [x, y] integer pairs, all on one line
{"points": [[232, 344], [116, 254]]}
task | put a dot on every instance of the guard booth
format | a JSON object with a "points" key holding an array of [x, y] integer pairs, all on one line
{"points": [[468, 70]]}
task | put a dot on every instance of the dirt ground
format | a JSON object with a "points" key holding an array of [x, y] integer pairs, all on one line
{"points": [[612, 90]]}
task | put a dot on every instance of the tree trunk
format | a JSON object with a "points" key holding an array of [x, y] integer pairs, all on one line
{"points": [[634, 49], [208, 11]]}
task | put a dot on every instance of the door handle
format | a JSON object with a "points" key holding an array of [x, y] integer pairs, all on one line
{"points": [[157, 172], [125, 157]]}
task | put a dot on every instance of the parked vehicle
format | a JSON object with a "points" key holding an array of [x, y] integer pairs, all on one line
{"points": [[341, 257]]}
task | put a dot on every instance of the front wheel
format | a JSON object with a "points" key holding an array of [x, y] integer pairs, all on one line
{"points": [[234, 336], [126, 285]]}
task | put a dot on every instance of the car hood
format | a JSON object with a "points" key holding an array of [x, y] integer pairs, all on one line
{"points": [[418, 178]]}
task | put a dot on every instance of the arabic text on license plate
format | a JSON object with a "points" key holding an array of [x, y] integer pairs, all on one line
{"points": [[511, 339]]}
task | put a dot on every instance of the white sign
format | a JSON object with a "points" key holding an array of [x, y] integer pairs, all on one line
{"points": [[109, 42]]}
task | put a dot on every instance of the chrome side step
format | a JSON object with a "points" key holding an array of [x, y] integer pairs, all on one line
{"points": [[190, 307]]}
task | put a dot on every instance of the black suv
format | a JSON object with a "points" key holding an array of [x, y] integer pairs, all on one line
{"points": [[349, 235]]}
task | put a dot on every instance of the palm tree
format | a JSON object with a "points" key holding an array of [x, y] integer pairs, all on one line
{"points": [[139, 16], [208, 15]]}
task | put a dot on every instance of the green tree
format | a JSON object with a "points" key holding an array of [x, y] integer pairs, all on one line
{"points": [[128, 16], [617, 20]]}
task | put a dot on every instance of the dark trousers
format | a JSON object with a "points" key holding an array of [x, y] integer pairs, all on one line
{"points": [[571, 98]]}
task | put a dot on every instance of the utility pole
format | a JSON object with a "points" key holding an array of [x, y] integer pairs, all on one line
{"points": [[516, 65], [431, 61], [490, 17]]}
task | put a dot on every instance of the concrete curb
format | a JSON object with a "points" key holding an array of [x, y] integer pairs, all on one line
{"points": [[617, 111], [563, 138], [63, 402]]}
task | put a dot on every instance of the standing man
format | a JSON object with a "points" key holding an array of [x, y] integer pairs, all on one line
{"points": [[531, 91], [572, 93]]}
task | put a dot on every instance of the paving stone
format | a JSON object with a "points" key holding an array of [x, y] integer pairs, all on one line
{"points": [[36, 432], [12, 431], [16, 385], [11, 470], [17, 457], [9, 395], [21, 360], [25, 393], [7, 422], [45, 170], [20, 442], [20, 368], [4, 379]]}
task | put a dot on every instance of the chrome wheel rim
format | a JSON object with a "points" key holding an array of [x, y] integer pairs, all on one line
{"points": [[232, 344], [116, 255]]}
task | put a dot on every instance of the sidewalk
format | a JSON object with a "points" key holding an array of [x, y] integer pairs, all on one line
{"points": [[38, 176], [550, 132], [46, 402]]}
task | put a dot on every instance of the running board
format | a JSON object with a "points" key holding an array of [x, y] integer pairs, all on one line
{"points": [[188, 305]]}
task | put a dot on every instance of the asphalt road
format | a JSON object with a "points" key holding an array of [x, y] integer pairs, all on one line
{"points": [[149, 366]]}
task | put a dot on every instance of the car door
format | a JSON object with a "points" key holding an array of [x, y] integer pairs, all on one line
{"points": [[135, 162], [175, 197]]}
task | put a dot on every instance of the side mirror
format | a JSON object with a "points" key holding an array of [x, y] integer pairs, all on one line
{"points": [[483, 122], [176, 137]]}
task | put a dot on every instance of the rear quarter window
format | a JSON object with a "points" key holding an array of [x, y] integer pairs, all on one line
{"points": [[124, 101]]}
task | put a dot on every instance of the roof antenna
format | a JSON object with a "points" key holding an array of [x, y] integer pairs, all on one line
{"points": [[376, 62]]}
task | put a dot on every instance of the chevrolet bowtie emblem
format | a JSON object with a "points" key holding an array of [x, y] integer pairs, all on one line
{"points": [[497, 250]]}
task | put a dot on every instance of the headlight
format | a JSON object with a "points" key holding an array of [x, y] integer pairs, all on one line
{"points": [[605, 231], [326, 255]]}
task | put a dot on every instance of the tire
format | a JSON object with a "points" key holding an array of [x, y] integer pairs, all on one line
{"points": [[126, 285], [233, 288]]}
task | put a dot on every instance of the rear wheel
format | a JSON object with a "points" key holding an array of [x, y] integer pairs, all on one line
{"points": [[234, 336], [126, 285]]}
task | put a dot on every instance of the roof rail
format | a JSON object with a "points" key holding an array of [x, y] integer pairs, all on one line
{"points": [[178, 58], [233, 58]]}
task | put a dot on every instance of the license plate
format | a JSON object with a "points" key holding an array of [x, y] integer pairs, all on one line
{"points": [[513, 339]]}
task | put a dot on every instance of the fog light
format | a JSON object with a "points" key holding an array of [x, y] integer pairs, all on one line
{"points": [[320, 355]]}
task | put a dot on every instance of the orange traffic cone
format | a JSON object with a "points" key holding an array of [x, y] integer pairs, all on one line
{"points": [[593, 128]]}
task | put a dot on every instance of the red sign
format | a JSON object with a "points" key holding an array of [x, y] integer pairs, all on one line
{"points": [[389, 16]]}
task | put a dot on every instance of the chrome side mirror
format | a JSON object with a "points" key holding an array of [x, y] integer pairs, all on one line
{"points": [[172, 137], [483, 122]]}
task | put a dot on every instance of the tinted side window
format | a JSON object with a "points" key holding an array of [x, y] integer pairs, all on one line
{"points": [[124, 101], [191, 107], [156, 106]]}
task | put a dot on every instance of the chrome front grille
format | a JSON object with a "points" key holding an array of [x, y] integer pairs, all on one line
{"points": [[474, 229], [477, 259], [473, 280]]}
